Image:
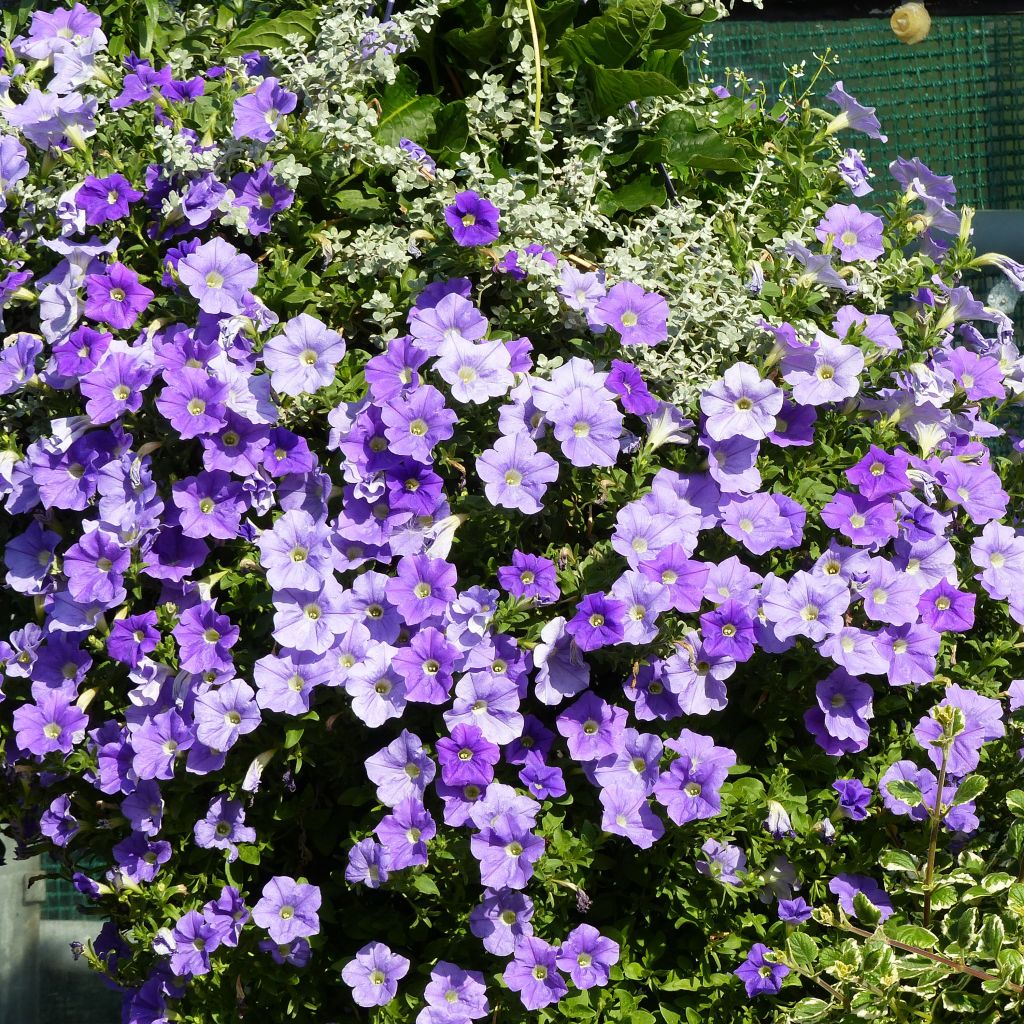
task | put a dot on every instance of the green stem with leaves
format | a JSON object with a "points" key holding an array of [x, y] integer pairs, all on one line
{"points": [[933, 837], [531, 13]]}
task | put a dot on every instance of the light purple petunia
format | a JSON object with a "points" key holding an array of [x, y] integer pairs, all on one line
{"points": [[828, 372], [416, 421], [302, 358], [515, 473], [533, 973], [401, 769], [856, 234], [218, 276], [741, 404], [640, 317]]}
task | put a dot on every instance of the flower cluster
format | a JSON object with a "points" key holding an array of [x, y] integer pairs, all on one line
{"points": [[505, 615]]}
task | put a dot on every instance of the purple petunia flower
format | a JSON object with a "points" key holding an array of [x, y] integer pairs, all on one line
{"points": [[374, 974], [856, 234], [725, 863], [587, 429], [467, 757], [640, 317], [760, 975], [530, 577], [105, 199], [854, 798], [944, 608], [401, 769], [587, 956], [845, 887], [506, 854], [741, 404], [50, 725], [828, 372], [473, 220], [218, 276], [689, 788], [515, 473], [794, 911], [257, 114], [455, 994], [405, 833], [592, 728], [302, 358], [422, 588], [502, 920], [625, 380], [416, 421], [288, 909], [599, 622], [116, 297], [853, 115], [533, 973]]}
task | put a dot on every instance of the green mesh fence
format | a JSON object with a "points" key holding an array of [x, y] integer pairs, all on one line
{"points": [[62, 899], [952, 100]]}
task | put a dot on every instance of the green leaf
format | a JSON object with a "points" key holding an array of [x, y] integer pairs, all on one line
{"points": [[865, 910], [809, 1009], [678, 31], [614, 88], [1015, 802], [612, 39], [904, 791], [1015, 899], [478, 44], [451, 129], [270, 33], [694, 145], [404, 113], [426, 884], [944, 897], [898, 860], [970, 789], [993, 934], [292, 737], [803, 950], [913, 935], [249, 854]]}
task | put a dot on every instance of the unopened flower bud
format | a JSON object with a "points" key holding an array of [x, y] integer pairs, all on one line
{"points": [[911, 23]]}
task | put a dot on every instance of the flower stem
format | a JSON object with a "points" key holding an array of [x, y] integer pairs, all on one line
{"points": [[531, 13], [933, 838]]}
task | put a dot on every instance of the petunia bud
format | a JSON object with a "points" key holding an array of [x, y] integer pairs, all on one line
{"points": [[911, 23]]}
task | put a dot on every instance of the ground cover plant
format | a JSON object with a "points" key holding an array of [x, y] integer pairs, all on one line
{"points": [[493, 529]]}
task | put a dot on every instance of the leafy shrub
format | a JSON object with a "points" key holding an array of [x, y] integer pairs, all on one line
{"points": [[492, 530]]}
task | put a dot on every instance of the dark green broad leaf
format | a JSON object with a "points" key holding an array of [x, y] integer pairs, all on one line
{"points": [[693, 145], [268, 33], [614, 38], [669, 63], [451, 129], [614, 88], [405, 114], [679, 30], [555, 18], [478, 44], [634, 195]]}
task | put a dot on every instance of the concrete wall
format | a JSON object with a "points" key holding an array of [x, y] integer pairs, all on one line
{"points": [[40, 982]]}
